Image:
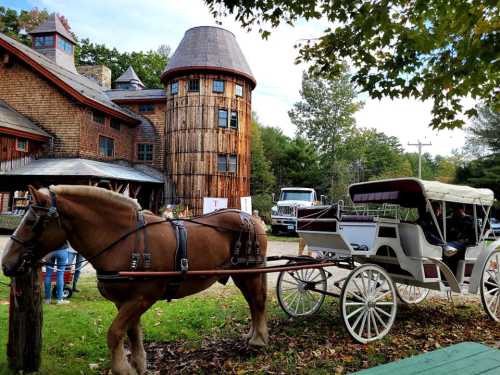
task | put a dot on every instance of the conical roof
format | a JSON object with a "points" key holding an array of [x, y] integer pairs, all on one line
{"points": [[53, 24], [208, 48], [129, 76]]}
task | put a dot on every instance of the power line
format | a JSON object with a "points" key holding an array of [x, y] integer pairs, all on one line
{"points": [[419, 144]]}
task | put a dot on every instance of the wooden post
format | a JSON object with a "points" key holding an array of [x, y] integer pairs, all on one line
{"points": [[25, 323]]}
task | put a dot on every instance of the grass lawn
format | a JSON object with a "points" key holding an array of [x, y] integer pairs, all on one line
{"points": [[201, 334]]}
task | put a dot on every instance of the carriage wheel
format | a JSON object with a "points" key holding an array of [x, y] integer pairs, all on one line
{"points": [[490, 286], [368, 303], [294, 290], [411, 294]]}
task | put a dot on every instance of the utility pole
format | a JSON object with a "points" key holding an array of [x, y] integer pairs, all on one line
{"points": [[419, 144]]}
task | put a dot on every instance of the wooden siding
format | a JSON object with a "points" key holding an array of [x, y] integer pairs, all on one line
{"points": [[194, 140], [11, 158]]}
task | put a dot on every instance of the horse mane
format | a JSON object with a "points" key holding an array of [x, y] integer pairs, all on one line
{"points": [[96, 193]]}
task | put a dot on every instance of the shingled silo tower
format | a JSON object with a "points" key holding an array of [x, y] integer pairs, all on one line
{"points": [[209, 94]]}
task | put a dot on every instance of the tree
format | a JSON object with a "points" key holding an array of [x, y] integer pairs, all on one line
{"points": [[484, 133], [375, 154], [439, 50], [148, 65], [262, 180], [17, 25], [325, 116]]}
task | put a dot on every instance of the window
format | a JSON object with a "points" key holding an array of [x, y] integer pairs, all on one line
{"points": [[115, 124], [218, 86], [222, 163], [234, 120], [98, 117], [227, 163], [239, 90], [146, 108], [174, 88], [194, 85], [222, 118], [145, 151], [64, 44], [46, 41], [106, 146], [232, 163], [21, 145]]}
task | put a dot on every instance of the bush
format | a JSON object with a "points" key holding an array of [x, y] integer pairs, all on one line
{"points": [[263, 203]]}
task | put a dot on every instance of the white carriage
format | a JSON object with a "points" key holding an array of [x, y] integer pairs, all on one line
{"points": [[389, 256]]}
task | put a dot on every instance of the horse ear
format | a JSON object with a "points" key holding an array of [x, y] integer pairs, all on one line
{"points": [[37, 196]]}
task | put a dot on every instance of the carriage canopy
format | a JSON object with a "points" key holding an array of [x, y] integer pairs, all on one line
{"points": [[410, 192]]}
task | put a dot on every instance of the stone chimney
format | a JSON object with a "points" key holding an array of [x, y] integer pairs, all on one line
{"points": [[99, 73]]}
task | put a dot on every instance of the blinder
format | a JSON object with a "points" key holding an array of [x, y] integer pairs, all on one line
{"points": [[37, 226]]}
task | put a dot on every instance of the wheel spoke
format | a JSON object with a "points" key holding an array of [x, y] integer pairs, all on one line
{"points": [[360, 332], [355, 312], [379, 318], [356, 322], [382, 296], [491, 291], [290, 282], [374, 321], [369, 323], [382, 311], [490, 283], [358, 288], [356, 296], [354, 303]]}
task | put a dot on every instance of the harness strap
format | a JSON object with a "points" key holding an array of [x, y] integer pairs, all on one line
{"points": [[181, 256]]}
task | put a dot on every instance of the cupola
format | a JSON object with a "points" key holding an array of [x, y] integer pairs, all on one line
{"points": [[129, 81], [55, 41]]}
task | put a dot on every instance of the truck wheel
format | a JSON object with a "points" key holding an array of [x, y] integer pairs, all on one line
{"points": [[274, 229]]}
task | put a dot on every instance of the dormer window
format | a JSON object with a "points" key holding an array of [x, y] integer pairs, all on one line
{"points": [[64, 44], [44, 41]]}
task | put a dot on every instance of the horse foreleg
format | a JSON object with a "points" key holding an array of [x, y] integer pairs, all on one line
{"points": [[254, 288], [129, 314], [138, 356]]}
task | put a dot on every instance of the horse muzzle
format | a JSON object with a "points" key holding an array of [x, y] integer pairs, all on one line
{"points": [[20, 269]]}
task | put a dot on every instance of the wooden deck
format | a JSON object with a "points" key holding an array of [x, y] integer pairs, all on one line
{"points": [[467, 358]]}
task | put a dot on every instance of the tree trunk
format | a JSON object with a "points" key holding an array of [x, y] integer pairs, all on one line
{"points": [[25, 323]]}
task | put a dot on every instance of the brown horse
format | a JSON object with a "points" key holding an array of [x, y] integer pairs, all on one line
{"points": [[92, 219]]}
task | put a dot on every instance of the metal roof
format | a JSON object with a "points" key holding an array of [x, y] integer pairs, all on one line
{"points": [[83, 168], [136, 94], [53, 24], [208, 47], [129, 75], [85, 86], [11, 119]]}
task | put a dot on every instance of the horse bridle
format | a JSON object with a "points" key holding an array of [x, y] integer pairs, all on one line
{"points": [[39, 223]]}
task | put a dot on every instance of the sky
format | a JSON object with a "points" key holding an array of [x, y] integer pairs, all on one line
{"points": [[134, 25]]}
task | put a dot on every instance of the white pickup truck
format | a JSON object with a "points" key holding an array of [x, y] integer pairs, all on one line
{"points": [[284, 213]]}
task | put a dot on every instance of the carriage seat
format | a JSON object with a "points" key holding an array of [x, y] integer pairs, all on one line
{"points": [[358, 218], [414, 243]]}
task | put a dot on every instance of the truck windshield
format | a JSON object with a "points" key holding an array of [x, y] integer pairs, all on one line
{"points": [[295, 195]]}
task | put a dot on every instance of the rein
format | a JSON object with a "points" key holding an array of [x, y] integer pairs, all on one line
{"points": [[30, 245]]}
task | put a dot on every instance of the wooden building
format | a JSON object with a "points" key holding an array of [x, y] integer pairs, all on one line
{"points": [[179, 144], [209, 96]]}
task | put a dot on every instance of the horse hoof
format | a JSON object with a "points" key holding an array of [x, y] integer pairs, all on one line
{"points": [[257, 342]]}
